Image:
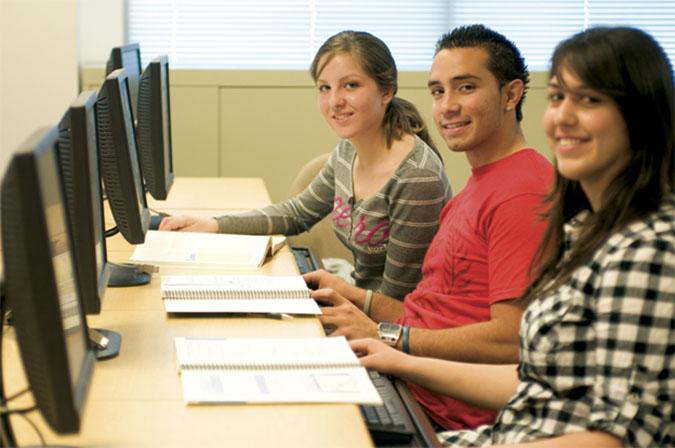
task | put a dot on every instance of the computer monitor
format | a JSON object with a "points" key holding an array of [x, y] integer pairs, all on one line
{"points": [[78, 160], [127, 57], [41, 283], [154, 128], [119, 158], [79, 168]]}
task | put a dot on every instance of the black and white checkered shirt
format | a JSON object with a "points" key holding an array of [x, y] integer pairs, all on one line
{"points": [[599, 354]]}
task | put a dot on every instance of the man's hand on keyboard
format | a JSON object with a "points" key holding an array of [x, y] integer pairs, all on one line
{"points": [[348, 320], [375, 354], [320, 279]]}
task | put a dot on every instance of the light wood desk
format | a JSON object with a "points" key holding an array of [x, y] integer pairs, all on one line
{"points": [[209, 193], [136, 398]]}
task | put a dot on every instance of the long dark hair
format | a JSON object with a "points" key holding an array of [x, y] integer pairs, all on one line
{"points": [[630, 67], [374, 57]]}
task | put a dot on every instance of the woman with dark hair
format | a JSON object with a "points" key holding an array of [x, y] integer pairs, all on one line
{"points": [[597, 350], [384, 183]]}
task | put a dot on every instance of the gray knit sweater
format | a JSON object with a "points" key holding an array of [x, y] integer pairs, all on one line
{"points": [[388, 233]]}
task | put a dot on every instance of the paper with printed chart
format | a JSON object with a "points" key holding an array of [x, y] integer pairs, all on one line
{"points": [[265, 370]]}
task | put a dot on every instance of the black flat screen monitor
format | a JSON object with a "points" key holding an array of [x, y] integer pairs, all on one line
{"points": [[119, 158], [41, 283], [127, 57], [78, 160], [154, 128]]}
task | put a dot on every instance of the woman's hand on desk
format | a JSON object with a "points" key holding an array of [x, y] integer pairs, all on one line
{"points": [[375, 354], [189, 224]]}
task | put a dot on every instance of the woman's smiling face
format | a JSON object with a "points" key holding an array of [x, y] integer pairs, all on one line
{"points": [[350, 100], [587, 134]]}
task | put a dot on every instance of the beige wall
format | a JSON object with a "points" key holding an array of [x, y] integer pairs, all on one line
{"points": [[101, 26], [38, 67], [267, 124]]}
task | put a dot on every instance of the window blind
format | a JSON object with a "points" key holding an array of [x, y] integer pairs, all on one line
{"points": [[536, 27], [278, 34], [657, 17], [285, 34]]}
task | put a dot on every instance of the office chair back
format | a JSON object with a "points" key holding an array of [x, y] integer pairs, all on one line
{"points": [[321, 238]]}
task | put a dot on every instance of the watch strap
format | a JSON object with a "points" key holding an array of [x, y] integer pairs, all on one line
{"points": [[406, 340]]}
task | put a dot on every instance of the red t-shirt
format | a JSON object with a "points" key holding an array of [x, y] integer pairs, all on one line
{"points": [[481, 254]]}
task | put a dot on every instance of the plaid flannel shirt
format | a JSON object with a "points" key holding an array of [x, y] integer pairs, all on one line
{"points": [[599, 353]]}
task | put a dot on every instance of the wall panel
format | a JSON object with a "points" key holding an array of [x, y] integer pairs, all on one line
{"points": [[267, 123], [271, 132], [194, 117]]}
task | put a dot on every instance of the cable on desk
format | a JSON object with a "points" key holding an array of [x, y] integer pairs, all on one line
{"points": [[112, 231], [22, 413], [6, 411], [16, 395], [35, 428], [6, 434]]}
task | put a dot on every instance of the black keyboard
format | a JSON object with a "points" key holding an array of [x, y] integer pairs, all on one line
{"points": [[305, 259], [400, 421]]}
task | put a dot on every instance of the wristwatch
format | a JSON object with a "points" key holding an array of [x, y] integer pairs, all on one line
{"points": [[389, 333]]}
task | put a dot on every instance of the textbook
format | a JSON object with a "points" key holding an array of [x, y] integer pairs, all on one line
{"points": [[237, 294], [272, 370], [196, 249]]}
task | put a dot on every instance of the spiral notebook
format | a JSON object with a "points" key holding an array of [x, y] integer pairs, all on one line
{"points": [[262, 370], [237, 294]]}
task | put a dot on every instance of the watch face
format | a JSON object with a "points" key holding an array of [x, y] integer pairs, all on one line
{"points": [[388, 332], [388, 327]]}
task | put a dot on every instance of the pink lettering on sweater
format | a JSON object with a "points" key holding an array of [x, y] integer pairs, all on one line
{"points": [[342, 213], [371, 238]]}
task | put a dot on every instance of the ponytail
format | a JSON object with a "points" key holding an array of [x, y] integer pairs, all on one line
{"points": [[402, 117]]}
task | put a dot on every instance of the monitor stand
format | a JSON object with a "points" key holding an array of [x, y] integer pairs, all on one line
{"points": [[106, 342], [127, 275]]}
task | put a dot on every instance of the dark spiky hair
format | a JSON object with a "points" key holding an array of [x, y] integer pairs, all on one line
{"points": [[504, 59]]}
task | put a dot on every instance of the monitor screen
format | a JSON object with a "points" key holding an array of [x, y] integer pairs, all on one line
{"points": [[119, 158], [78, 160], [154, 128], [41, 283], [127, 57]]}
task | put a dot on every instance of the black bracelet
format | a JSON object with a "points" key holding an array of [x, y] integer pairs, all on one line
{"points": [[406, 340]]}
